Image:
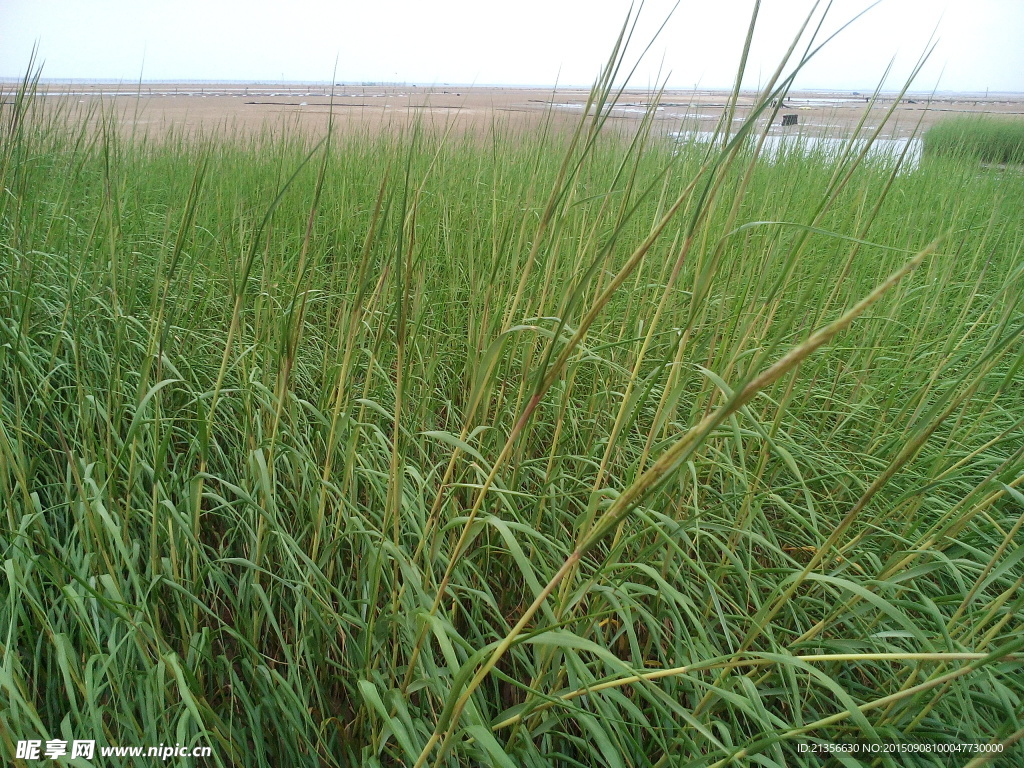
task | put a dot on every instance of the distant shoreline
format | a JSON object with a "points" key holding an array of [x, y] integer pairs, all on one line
{"points": [[153, 107], [133, 85]]}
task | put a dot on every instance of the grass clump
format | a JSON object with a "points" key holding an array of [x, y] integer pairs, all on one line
{"points": [[554, 449], [997, 140]]}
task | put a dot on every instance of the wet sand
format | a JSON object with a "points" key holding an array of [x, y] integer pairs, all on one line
{"points": [[155, 108]]}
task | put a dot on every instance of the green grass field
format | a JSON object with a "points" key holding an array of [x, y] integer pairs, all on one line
{"points": [[985, 139], [537, 450]]}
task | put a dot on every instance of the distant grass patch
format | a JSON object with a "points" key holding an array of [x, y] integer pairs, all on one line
{"points": [[987, 139]]}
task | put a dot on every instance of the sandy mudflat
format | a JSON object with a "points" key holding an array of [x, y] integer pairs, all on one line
{"points": [[247, 108]]}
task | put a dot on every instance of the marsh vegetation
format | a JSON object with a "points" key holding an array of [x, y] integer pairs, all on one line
{"points": [[986, 139], [550, 449]]}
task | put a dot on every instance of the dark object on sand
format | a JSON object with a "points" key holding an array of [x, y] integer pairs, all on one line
{"points": [[788, 120]]}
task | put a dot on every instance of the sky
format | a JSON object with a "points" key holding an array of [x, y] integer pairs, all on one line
{"points": [[515, 42]]}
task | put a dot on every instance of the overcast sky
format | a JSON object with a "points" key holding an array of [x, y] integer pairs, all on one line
{"points": [[525, 42]]}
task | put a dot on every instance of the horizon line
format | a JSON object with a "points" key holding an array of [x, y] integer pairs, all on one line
{"points": [[424, 84]]}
